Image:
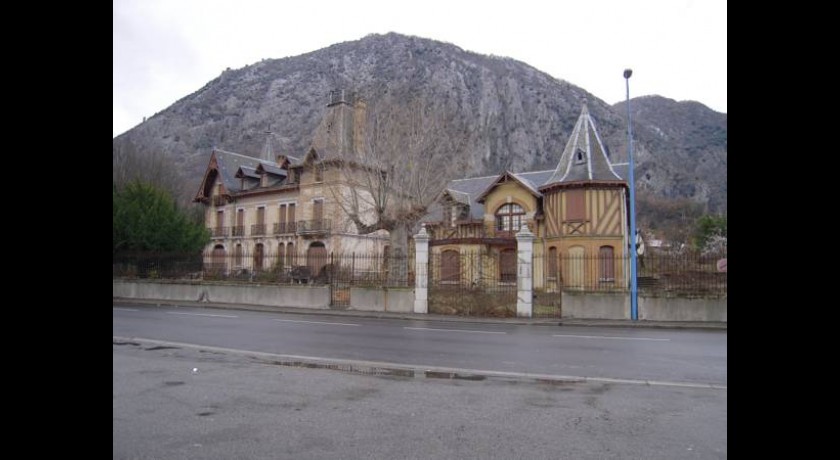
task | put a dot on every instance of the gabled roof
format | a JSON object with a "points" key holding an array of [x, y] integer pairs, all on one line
{"points": [[246, 171], [535, 178], [271, 169], [229, 168], [524, 182], [294, 161], [459, 197], [228, 163], [471, 188], [584, 158]]}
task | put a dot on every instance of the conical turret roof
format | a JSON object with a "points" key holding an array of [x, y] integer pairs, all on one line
{"points": [[584, 158]]}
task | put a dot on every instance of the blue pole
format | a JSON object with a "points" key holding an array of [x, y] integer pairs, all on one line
{"points": [[634, 292]]}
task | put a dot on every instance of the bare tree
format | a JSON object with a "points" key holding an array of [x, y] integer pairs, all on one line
{"points": [[153, 168], [409, 151]]}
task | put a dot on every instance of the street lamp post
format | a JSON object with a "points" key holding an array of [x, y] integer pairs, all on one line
{"points": [[634, 288]]}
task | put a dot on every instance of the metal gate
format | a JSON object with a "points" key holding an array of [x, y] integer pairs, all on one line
{"points": [[339, 280], [472, 284]]}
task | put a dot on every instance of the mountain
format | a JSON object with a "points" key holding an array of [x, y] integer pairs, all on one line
{"points": [[518, 117], [683, 149]]}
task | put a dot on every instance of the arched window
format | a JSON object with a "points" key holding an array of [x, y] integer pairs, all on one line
{"points": [[509, 219], [574, 273], [217, 259], [507, 265], [450, 266], [606, 264]]}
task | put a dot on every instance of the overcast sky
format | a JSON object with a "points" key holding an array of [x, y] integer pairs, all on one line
{"points": [[167, 49]]}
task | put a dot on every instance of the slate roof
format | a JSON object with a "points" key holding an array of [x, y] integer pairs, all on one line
{"points": [[229, 163], [248, 171], [584, 158], [470, 189], [466, 191], [273, 169]]}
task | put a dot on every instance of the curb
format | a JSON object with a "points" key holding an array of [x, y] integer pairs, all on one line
{"points": [[408, 370]]}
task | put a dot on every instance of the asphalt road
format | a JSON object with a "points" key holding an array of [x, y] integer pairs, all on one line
{"points": [[234, 407], [662, 355]]}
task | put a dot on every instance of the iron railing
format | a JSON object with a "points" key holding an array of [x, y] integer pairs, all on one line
{"points": [[370, 270], [318, 226], [284, 228], [218, 232]]}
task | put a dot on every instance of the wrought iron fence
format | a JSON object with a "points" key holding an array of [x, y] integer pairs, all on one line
{"points": [[374, 270], [483, 283], [683, 273]]}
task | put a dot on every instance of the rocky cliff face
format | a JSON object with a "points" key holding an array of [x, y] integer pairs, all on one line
{"points": [[518, 117]]}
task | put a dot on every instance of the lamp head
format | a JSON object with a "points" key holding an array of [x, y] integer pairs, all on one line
{"points": [[628, 73]]}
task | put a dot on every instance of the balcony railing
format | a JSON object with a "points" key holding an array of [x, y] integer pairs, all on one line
{"points": [[311, 227], [257, 229], [473, 230], [218, 232], [239, 230], [282, 228]]}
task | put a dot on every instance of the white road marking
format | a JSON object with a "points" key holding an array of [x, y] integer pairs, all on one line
{"points": [[201, 314], [125, 309], [315, 322], [452, 330], [610, 337]]}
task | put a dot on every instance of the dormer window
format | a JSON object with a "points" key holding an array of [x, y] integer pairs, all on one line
{"points": [[450, 215], [319, 173], [580, 156]]}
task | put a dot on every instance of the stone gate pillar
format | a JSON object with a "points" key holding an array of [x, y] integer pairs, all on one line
{"points": [[421, 271], [524, 272]]}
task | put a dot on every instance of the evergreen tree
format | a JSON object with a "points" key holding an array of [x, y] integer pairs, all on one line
{"points": [[147, 219]]}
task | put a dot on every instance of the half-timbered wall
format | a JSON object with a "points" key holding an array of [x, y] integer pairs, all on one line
{"points": [[602, 212]]}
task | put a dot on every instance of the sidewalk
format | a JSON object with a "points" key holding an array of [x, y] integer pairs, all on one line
{"points": [[432, 317]]}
